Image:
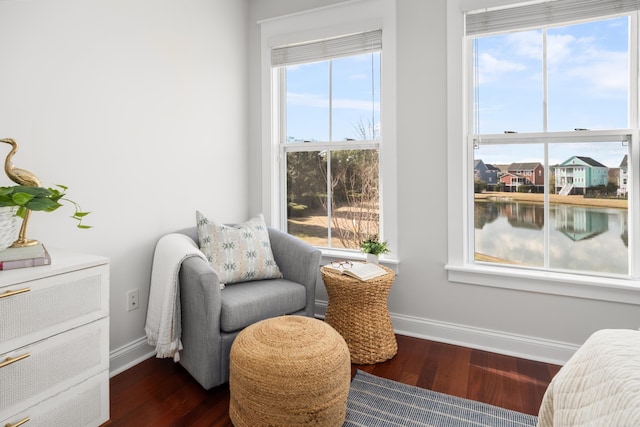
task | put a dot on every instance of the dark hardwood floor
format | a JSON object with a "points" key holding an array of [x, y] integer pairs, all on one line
{"points": [[159, 392]]}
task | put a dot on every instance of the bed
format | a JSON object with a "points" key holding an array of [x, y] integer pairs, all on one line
{"points": [[599, 385]]}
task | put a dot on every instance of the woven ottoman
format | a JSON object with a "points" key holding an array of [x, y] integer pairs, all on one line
{"points": [[289, 371]]}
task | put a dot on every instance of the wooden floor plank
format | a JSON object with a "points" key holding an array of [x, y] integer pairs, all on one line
{"points": [[159, 392], [452, 371]]}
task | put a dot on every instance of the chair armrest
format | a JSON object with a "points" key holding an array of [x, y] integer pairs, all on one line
{"points": [[200, 291], [200, 304], [298, 261]]}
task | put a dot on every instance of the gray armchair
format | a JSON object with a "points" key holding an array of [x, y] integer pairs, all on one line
{"points": [[212, 318]]}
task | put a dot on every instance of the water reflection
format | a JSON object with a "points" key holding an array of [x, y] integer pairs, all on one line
{"points": [[485, 213], [578, 223], [525, 216], [580, 238], [624, 232]]}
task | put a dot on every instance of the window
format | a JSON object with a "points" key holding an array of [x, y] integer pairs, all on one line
{"points": [[328, 129], [552, 101], [329, 138]]}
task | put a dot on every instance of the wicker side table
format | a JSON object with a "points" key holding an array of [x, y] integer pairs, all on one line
{"points": [[358, 311]]}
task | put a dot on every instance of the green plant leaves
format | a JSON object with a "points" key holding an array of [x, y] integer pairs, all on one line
{"points": [[21, 199], [374, 246], [42, 204], [38, 199]]}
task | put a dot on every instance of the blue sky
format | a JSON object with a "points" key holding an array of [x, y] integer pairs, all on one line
{"points": [[353, 100], [587, 72]]}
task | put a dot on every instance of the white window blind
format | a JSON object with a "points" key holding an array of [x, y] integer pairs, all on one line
{"points": [[321, 50], [549, 12]]}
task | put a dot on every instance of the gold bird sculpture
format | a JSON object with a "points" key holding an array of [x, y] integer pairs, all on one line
{"points": [[20, 177]]}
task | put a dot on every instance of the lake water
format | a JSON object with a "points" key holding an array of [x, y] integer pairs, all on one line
{"points": [[580, 238]]}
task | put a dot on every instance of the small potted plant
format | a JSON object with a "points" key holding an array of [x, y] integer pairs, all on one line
{"points": [[373, 247], [23, 199]]}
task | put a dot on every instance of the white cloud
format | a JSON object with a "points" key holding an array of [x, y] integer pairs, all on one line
{"points": [[560, 47], [603, 72], [527, 44], [317, 101], [355, 104], [307, 100], [579, 59], [608, 73], [492, 68], [359, 76]]}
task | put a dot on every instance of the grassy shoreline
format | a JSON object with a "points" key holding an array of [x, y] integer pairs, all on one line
{"points": [[554, 199]]}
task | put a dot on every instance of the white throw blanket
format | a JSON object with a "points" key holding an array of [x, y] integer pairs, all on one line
{"points": [[599, 386], [163, 313]]}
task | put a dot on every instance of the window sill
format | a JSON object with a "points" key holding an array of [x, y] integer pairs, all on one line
{"points": [[580, 286]]}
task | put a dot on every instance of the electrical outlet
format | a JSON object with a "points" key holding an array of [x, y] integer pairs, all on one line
{"points": [[132, 300]]}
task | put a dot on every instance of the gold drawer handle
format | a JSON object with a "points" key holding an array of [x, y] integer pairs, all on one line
{"points": [[19, 423], [12, 293], [9, 360]]}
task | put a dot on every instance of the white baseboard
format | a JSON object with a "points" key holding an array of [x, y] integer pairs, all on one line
{"points": [[129, 355], [522, 346], [526, 347]]}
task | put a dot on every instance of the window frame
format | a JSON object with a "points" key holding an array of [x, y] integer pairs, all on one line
{"points": [[315, 24], [330, 146], [460, 267]]}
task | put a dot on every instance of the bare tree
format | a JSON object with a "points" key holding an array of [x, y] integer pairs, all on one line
{"points": [[355, 201]]}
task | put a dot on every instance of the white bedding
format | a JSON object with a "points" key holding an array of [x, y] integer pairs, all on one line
{"points": [[599, 385]]}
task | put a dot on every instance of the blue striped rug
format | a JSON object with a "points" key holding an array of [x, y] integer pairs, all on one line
{"points": [[375, 401]]}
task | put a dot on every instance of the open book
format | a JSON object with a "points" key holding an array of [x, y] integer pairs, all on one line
{"points": [[359, 270]]}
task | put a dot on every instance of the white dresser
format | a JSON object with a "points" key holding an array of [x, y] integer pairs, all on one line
{"points": [[54, 343]]}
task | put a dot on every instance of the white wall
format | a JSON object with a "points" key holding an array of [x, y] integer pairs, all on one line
{"points": [[423, 302], [140, 107]]}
